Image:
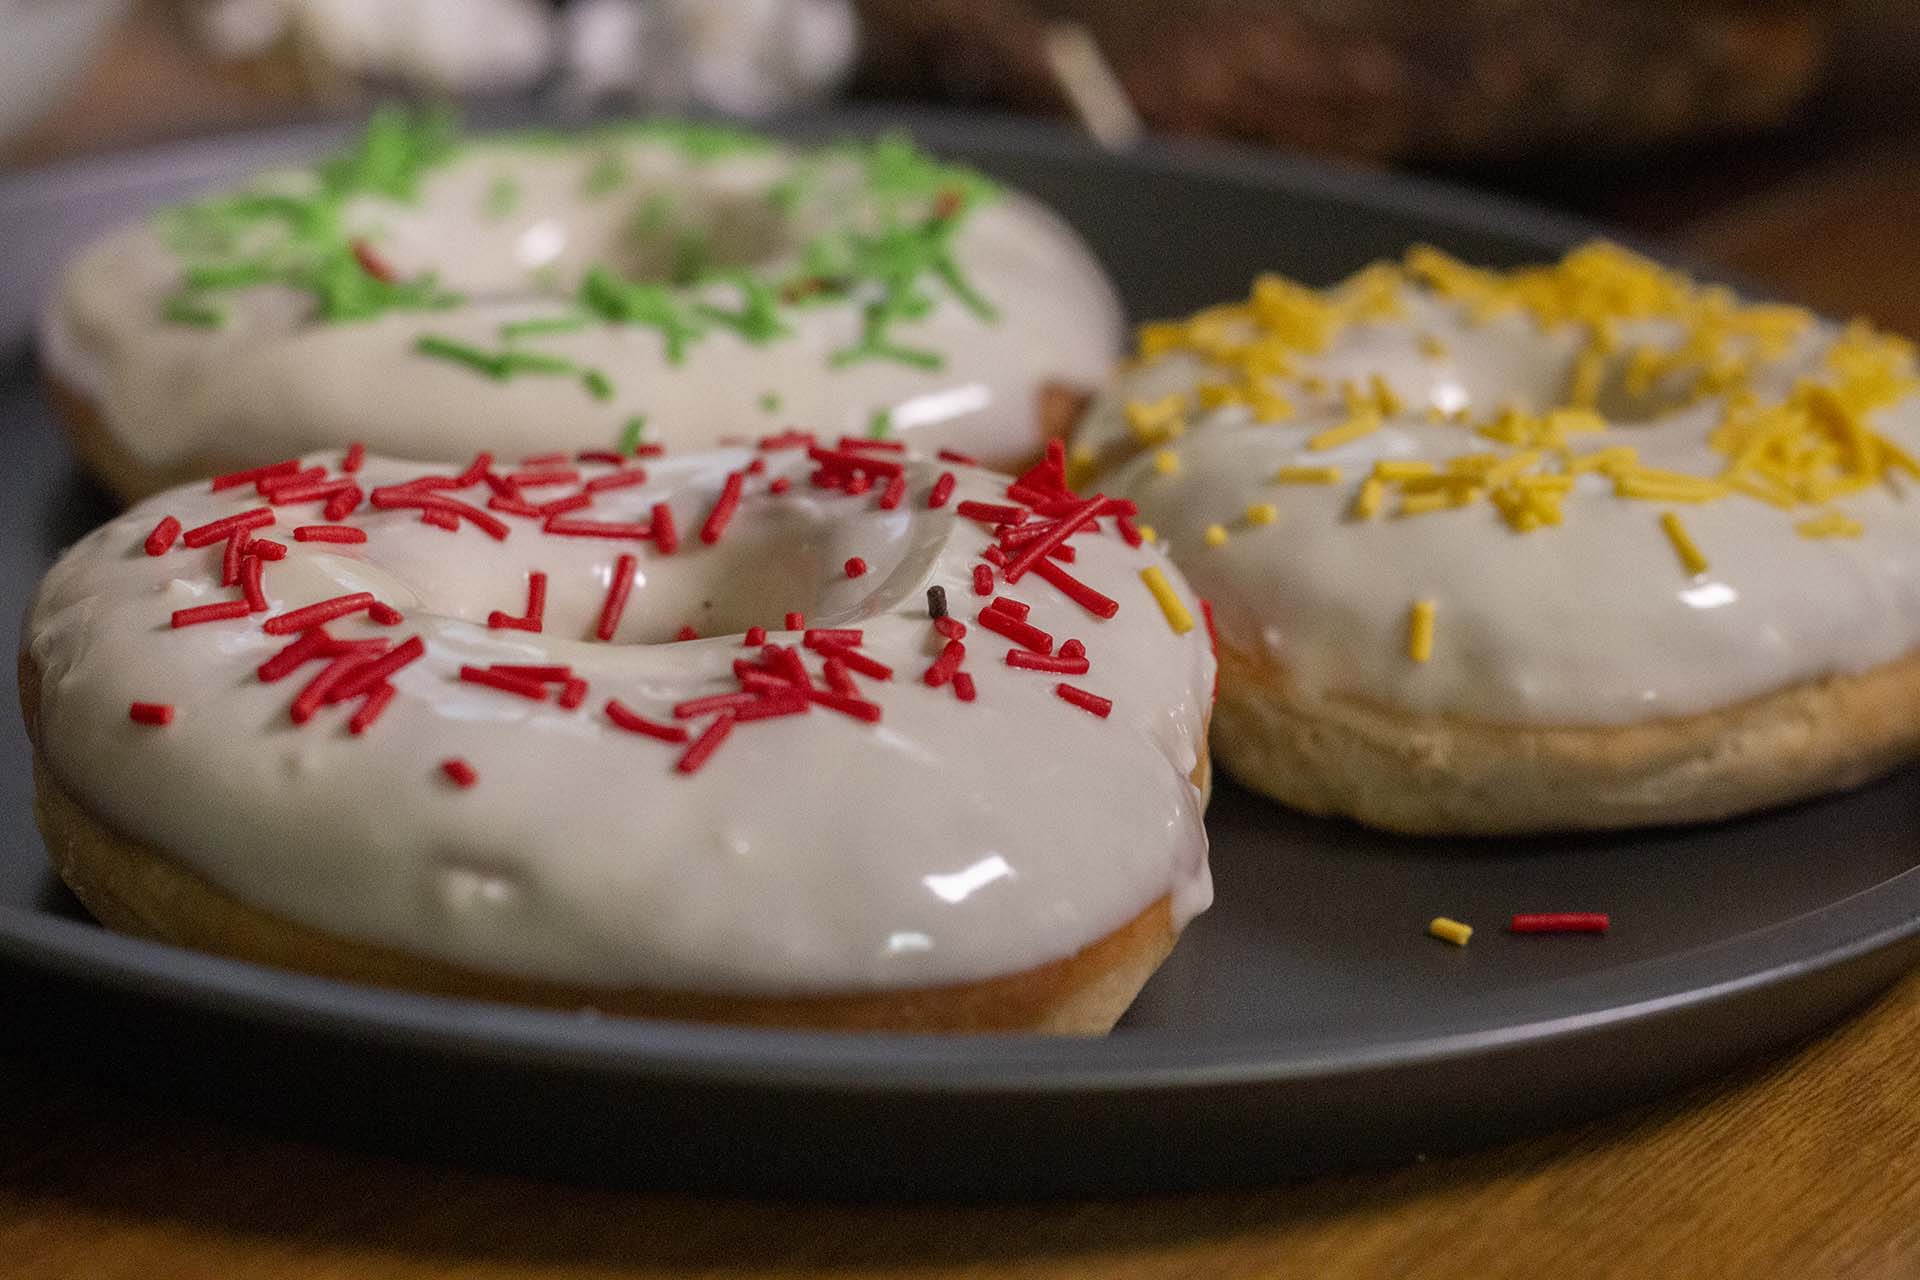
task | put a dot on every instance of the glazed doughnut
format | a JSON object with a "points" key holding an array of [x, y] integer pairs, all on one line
{"points": [[1581, 545], [733, 735], [691, 284]]}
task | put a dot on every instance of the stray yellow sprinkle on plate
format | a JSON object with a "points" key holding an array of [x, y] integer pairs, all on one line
{"points": [[1420, 631], [1167, 462], [1450, 930], [1262, 513], [1307, 475], [1216, 535]]}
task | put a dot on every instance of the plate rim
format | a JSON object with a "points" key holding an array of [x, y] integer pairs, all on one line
{"points": [[1825, 939]]}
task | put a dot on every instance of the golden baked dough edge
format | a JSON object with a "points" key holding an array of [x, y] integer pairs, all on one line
{"points": [[136, 888], [1447, 775]]}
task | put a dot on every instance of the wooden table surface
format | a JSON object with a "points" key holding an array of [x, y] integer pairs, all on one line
{"points": [[1805, 1167]]}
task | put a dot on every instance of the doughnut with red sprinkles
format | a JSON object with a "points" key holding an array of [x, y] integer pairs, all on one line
{"points": [[389, 642]]}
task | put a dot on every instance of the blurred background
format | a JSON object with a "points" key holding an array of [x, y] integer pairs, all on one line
{"points": [[1774, 137]]}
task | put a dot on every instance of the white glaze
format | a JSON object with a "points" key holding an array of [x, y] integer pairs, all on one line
{"points": [[949, 842], [1591, 623], [274, 383]]}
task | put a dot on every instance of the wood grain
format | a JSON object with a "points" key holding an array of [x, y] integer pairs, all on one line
{"points": [[1808, 1167]]}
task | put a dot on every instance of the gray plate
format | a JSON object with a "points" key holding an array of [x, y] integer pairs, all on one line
{"points": [[1305, 1023]]}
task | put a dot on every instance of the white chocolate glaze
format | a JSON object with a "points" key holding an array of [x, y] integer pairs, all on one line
{"points": [[273, 379], [947, 842], [1595, 621]]}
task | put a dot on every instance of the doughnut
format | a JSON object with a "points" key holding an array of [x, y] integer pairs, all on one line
{"points": [[686, 284], [1582, 545], [813, 733]]}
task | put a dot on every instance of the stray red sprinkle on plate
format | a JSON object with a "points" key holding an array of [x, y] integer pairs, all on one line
{"points": [[154, 713], [463, 774]]}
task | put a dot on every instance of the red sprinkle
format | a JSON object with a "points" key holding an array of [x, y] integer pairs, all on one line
{"points": [[846, 703], [1095, 603], [942, 490], [372, 263], [561, 506], [253, 475], [866, 442], [756, 636], [1129, 532], [385, 614], [1022, 633], [666, 538], [328, 533], [1073, 649], [618, 589], [1016, 609], [855, 567], [375, 672], [155, 713], [323, 688], [1086, 701], [370, 710], [1560, 922], [982, 580], [891, 495], [356, 454], [398, 496], [1058, 663], [344, 503], [818, 636], [162, 536], [796, 621], [1036, 551], [607, 456], [780, 484], [266, 549], [462, 773], [723, 508], [573, 693], [314, 615], [950, 627], [536, 478], [214, 530], [963, 686], [531, 620], [855, 660], [230, 559], [706, 744], [635, 723], [311, 644], [944, 666], [506, 682], [595, 529], [543, 460], [295, 487], [991, 512], [216, 612], [251, 570], [616, 480], [954, 455]]}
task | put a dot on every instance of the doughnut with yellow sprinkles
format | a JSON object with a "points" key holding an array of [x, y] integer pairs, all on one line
{"points": [[1587, 544]]}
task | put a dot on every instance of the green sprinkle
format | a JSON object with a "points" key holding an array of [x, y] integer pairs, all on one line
{"points": [[397, 149], [770, 401], [598, 385], [503, 196], [485, 362], [652, 305], [880, 425], [186, 310], [533, 362], [609, 173], [631, 433], [758, 319], [541, 326]]}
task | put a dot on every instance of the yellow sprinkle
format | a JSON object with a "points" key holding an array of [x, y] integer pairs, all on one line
{"points": [[1216, 535], [1683, 545], [1147, 533], [1420, 631], [1391, 469], [1082, 455], [1155, 421], [1307, 475], [1177, 616], [1366, 503], [1432, 348], [1384, 398], [1314, 385], [1356, 427], [1420, 504], [1262, 513], [1167, 462], [1830, 525], [1450, 930]]}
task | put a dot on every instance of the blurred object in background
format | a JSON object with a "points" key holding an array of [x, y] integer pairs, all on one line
{"points": [[47, 43], [737, 57], [1388, 80], [449, 46]]}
